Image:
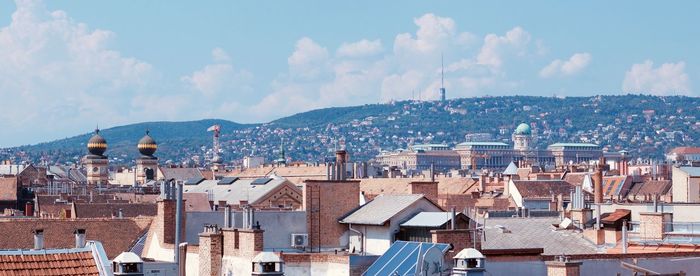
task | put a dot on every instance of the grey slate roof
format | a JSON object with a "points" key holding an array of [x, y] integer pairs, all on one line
{"points": [[534, 233], [428, 219], [181, 174], [242, 189], [381, 209]]}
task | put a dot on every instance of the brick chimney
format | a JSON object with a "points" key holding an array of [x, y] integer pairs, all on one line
{"points": [[429, 189], [324, 202], [165, 219], [598, 183], [211, 249], [561, 266]]}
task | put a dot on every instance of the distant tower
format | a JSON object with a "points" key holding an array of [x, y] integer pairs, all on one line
{"points": [[522, 137], [442, 78], [96, 162], [283, 158], [216, 160], [147, 164]]}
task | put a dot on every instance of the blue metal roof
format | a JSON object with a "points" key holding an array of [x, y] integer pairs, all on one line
{"points": [[402, 257]]}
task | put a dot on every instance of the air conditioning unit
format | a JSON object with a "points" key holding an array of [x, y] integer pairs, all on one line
{"points": [[300, 240]]}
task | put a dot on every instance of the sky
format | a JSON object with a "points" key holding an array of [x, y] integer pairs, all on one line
{"points": [[67, 66]]}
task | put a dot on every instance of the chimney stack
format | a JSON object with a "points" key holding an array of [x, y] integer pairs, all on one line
{"points": [[598, 182], [38, 239], [79, 238]]}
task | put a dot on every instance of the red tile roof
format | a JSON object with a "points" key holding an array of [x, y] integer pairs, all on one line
{"points": [[108, 210], [116, 235], [78, 263], [686, 150], [543, 188]]}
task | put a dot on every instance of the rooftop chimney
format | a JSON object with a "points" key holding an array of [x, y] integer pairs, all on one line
{"points": [[38, 239], [79, 238]]}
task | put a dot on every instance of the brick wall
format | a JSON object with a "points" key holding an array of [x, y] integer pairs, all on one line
{"points": [[165, 226], [325, 202], [210, 253], [557, 268], [242, 242], [429, 189], [459, 238]]}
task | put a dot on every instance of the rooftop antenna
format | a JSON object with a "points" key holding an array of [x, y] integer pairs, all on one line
{"points": [[442, 77]]}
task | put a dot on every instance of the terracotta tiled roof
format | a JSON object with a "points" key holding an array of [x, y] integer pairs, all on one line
{"points": [[616, 185], [77, 263], [651, 187], [108, 210], [575, 178], [617, 215], [116, 235], [446, 185], [543, 188], [8, 188], [686, 150]]}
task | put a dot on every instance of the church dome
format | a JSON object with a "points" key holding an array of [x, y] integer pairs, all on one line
{"points": [[147, 146], [523, 129], [97, 145]]}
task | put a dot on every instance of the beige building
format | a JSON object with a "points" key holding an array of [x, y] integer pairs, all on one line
{"points": [[686, 184]]}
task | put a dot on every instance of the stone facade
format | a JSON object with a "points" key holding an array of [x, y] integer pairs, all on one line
{"points": [[145, 168]]}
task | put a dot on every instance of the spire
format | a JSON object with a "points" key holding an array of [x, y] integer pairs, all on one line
{"points": [[442, 71]]}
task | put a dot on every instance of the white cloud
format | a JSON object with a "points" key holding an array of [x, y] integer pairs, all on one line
{"points": [[219, 77], [667, 79], [220, 55], [362, 48], [575, 64], [60, 75], [495, 47], [308, 59]]}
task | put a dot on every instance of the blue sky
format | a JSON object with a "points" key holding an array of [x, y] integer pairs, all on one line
{"points": [[68, 65]]}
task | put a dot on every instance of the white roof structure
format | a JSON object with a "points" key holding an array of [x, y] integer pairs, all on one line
{"points": [[469, 253], [127, 258], [234, 190], [512, 169], [267, 257]]}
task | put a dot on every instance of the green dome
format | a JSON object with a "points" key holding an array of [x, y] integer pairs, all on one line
{"points": [[523, 129]]}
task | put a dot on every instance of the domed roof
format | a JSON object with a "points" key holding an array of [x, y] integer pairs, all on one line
{"points": [[267, 257], [97, 145], [523, 129], [147, 146]]}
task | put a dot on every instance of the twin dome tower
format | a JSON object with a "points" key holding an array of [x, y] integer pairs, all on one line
{"points": [[97, 163]]}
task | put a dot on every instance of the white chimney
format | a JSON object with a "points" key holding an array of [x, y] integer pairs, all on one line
{"points": [[79, 238], [38, 239]]}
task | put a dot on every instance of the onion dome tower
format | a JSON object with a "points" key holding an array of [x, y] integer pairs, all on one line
{"points": [[147, 164], [95, 161]]}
